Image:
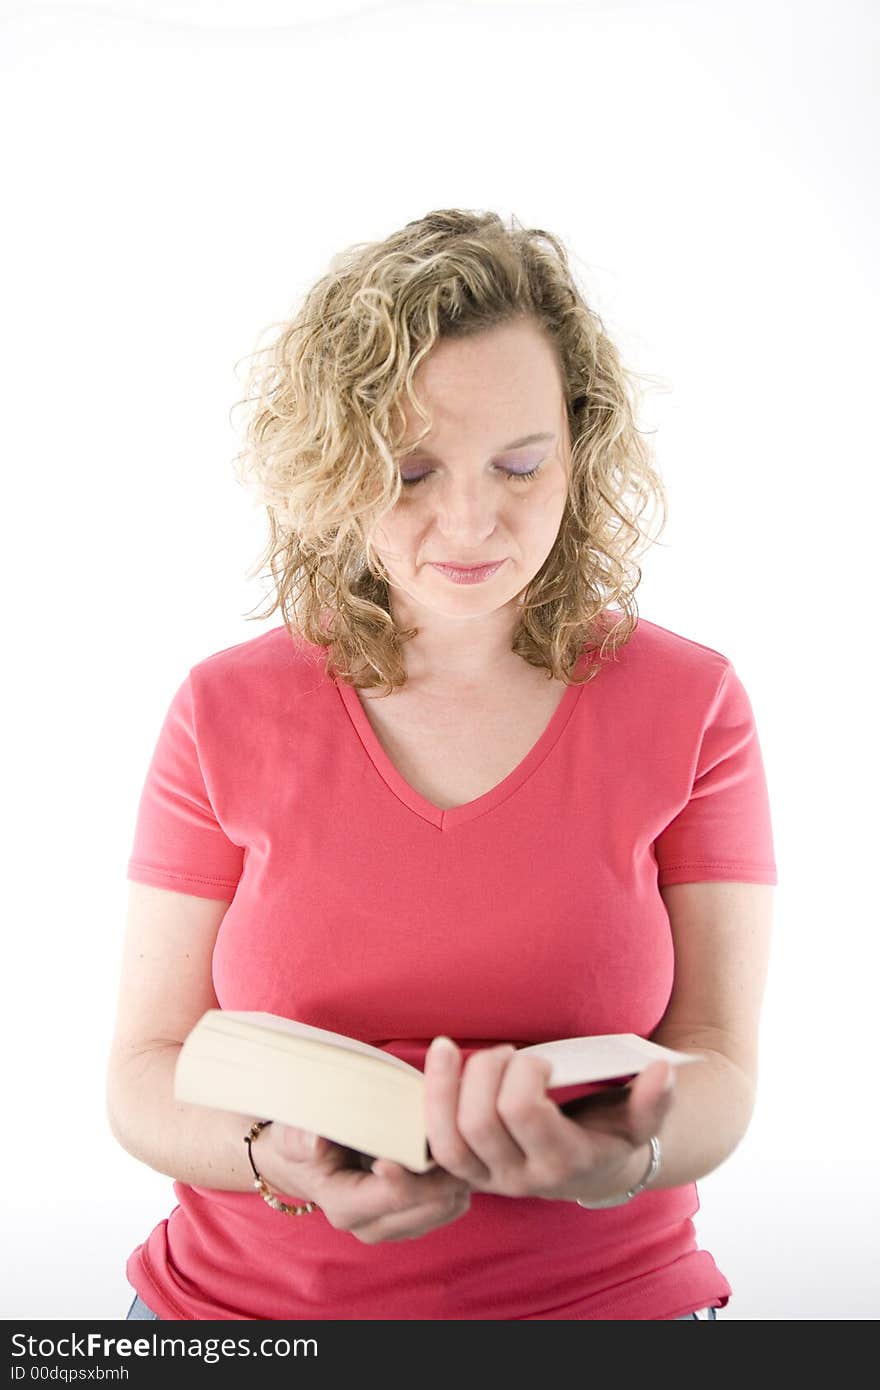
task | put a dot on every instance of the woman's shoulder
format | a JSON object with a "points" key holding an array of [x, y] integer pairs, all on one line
{"points": [[272, 658], [654, 652]]}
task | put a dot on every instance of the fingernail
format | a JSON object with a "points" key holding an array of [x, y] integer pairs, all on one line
{"points": [[442, 1051]]}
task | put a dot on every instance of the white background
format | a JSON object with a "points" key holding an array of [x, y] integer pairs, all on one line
{"points": [[175, 175]]}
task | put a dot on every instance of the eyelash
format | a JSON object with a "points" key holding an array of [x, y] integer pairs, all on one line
{"points": [[518, 477]]}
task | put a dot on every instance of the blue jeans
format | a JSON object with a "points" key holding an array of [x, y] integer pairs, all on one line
{"points": [[139, 1309]]}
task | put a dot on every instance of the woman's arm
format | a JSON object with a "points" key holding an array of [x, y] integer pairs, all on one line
{"points": [[165, 986], [721, 935], [188, 1142]]}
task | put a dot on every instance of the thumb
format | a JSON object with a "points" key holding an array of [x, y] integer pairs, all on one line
{"points": [[301, 1145], [657, 1080], [652, 1095]]}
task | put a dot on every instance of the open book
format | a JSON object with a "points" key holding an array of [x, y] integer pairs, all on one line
{"points": [[263, 1066]]}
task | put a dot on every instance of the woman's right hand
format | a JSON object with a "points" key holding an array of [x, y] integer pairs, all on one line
{"points": [[390, 1203]]}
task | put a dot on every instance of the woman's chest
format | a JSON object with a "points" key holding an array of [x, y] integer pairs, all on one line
{"points": [[454, 751], [366, 910]]}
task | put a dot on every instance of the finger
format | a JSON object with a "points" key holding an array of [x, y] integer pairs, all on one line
{"points": [[411, 1203], [654, 1083], [353, 1198], [327, 1156], [298, 1145], [651, 1096], [551, 1142], [414, 1188], [413, 1221], [479, 1121], [442, 1087], [386, 1168]]}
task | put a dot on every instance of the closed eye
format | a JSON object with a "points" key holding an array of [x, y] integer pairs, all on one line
{"points": [[507, 473]]}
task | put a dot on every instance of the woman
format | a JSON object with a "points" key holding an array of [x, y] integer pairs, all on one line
{"points": [[450, 810]]}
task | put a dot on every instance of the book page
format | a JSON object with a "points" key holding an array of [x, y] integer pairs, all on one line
{"points": [[275, 1023], [600, 1058]]}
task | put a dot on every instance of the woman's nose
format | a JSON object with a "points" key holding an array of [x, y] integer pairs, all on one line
{"points": [[463, 508]]}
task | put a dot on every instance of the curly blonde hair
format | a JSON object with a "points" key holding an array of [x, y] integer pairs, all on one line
{"points": [[325, 431]]}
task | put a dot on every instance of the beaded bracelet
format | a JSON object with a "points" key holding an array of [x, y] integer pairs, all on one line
{"points": [[260, 1182]]}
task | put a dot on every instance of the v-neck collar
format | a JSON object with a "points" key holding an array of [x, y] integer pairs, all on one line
{"points": [[449, 817]]}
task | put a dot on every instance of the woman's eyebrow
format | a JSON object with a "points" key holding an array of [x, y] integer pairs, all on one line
{"points": [[540, 438]]}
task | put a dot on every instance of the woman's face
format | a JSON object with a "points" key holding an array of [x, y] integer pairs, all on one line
{"points": [[489, 482]]}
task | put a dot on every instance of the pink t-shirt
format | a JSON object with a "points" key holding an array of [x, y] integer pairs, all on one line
{"points": [[528, 914]]}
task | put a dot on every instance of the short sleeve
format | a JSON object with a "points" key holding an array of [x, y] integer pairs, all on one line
{"points": [[178, 841], [724, 831]]}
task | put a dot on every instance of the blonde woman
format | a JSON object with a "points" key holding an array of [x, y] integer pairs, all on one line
{"points": [[461, 799]]}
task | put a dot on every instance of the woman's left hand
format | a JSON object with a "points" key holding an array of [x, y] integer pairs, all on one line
{"points": [[492, 1123]]}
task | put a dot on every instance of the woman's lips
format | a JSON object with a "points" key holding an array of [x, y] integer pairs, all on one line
{"points": [[472, 574]]}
